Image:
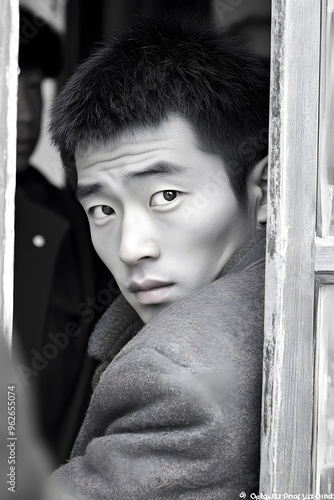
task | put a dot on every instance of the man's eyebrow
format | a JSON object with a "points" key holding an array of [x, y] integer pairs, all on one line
{"points": [[86, 190], [161, 168]]}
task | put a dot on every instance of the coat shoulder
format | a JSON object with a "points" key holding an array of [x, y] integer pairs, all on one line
{"points": [[222, 320]]}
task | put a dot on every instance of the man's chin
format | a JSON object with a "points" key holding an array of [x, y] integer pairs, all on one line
{"points": [[148, 312]]}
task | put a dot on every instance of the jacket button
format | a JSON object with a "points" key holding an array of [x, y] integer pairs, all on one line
{"points": [[39, 240]]}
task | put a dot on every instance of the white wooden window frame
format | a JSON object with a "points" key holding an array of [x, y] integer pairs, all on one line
{"points": [[298, 260], [324, 259], [9, 43]]}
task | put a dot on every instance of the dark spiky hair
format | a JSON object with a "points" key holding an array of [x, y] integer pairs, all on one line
{"points": [[159, 68]]}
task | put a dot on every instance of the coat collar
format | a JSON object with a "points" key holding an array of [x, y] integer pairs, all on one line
{"points": [[115, 328]]}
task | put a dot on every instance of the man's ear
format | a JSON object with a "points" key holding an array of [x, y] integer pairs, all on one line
{"points": [[259, 182]]}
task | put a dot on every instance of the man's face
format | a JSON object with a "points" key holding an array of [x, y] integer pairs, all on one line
{"points": [[162, 214], [29, 109]]}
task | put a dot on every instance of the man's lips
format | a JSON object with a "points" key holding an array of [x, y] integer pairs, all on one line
{"points": [[137, 286], [150, 291]]}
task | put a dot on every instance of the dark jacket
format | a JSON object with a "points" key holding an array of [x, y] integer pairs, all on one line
{"points": [[55, 270], [176, 414]]}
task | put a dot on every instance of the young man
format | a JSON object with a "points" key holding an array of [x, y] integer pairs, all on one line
{"points": [[163, 133]]}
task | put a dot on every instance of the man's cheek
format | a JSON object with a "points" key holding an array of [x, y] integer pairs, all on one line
{"points": [[103, 254], [104, 248]]}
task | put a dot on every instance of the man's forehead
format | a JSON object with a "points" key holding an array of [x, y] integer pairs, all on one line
{"points": [[139, 141]]}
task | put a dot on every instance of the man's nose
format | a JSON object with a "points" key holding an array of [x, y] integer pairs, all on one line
{"points": [[138, 240]]}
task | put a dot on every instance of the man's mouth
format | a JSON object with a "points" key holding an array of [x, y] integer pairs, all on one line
{"points": [[151, 291]]}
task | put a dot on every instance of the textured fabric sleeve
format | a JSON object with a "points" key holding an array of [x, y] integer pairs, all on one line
{"points": [[163, 436]]}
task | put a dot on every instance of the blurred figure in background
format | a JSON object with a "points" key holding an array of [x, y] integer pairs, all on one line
{"points": [[61, 286], [25, 464]]}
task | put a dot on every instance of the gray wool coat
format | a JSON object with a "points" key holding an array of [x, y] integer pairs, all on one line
{"points": [[176, 413]]}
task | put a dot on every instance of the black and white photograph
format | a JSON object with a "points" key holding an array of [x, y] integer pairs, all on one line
{"points": [[167, 249]]}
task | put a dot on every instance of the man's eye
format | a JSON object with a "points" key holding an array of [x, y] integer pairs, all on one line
{"points": [[100, 211], [163, 198]]}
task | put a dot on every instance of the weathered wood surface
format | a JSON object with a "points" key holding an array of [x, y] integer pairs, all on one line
{"points": [[324, 255], [325, 225], [9, 22], [323, 463], [286, 460]]}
